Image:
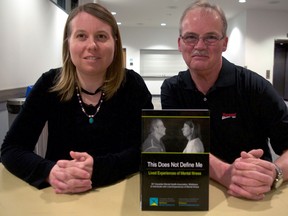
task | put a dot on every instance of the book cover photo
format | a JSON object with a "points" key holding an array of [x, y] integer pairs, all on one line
{"points": [[174, 170]]}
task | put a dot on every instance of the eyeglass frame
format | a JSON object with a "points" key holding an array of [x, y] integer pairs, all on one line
{"points": [[204, 39]]}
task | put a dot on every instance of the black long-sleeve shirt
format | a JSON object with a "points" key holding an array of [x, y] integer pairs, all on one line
{"points": [[113, 140]]}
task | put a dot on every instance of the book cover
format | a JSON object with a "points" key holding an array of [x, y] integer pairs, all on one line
{"points": [[175, 160]]}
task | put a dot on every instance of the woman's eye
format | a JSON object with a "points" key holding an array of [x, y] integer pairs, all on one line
{"points": [[81, 36], [102, 37]]}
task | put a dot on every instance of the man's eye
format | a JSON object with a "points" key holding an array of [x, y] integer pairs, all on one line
{"points": [[211, 38], [191, 37]]}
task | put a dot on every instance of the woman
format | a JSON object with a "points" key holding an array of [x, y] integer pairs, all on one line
{"points": [[191, 132], [93, 109]]}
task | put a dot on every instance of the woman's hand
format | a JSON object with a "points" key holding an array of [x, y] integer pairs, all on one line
{"points": [[72, 176]]}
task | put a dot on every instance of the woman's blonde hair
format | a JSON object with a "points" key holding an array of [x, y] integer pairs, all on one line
{"points": [[67, 79]]}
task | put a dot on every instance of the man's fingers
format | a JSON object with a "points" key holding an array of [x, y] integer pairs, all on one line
{"points": [[254, 153]]}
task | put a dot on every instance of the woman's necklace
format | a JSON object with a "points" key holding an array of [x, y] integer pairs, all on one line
{"points": [[91, 117], [91, 93]]}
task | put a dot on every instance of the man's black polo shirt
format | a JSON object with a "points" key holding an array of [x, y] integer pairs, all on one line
{"points": [[245, 110]]}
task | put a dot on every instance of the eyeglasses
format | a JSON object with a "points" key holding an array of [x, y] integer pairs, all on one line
{"points": [[191, 39]]}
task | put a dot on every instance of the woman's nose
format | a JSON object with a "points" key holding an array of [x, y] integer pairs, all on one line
{"points": [[92, 44]]}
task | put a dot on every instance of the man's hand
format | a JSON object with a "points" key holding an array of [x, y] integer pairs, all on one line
{"points": [[251, 177]]}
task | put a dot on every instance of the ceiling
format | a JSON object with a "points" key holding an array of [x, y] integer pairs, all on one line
{"points": [[151, 13]]}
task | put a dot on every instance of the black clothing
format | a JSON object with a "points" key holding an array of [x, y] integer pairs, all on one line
{"points": [[245, 110], [113, 140]]}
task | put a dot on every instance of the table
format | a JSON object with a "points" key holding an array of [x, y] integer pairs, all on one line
{"points": [[17, 198]]}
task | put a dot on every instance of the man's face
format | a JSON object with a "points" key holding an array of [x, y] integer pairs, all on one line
{"points": [[202, 56]]}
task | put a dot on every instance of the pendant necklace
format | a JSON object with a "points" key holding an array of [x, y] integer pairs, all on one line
{"points": [[90, 117]]}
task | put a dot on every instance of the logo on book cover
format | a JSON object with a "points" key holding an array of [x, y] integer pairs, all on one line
{"points": [[153, 201], [228, 115]]}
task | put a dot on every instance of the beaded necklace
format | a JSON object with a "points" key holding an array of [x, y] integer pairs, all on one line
{"points": [[91, 117]]}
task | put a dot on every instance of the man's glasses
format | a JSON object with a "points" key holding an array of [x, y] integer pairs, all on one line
{"points": [[191, 39]]}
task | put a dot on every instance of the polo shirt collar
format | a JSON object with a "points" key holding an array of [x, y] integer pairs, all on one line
{"points": [[226, 76]]}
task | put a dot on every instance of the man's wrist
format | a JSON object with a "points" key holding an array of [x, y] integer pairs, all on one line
{"points": [[279, 177]]}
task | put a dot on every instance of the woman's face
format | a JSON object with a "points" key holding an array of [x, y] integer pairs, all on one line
{"points": [[91, 45], [187, 130], [160, 128]]}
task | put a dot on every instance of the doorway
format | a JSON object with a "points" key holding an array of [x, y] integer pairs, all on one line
{"points": [[280, 68]]}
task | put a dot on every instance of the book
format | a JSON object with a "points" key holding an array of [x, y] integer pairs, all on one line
{"points": [[174, 173]]}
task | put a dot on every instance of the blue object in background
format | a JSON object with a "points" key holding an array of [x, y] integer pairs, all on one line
{"points": [[29, 88]]}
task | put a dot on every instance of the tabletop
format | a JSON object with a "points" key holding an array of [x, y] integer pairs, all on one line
{"points": [[123, 199]]}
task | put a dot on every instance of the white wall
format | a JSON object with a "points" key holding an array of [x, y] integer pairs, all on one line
{"points": [[138, 38], [30, 44], [31, 40], [263, 27], [134, 39], [251, 39], [236, 32]]}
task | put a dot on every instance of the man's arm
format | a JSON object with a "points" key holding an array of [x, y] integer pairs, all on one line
{"points": [[219, 171], [282, 163]]}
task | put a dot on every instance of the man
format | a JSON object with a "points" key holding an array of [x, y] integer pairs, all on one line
{"points": [[153, 142], [245, 109]]}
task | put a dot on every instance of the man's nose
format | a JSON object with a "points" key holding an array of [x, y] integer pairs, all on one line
{"points": [[200, 43]]}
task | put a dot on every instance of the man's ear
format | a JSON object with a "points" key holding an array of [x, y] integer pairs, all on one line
{"points": [[225, 44], [179, 45]]}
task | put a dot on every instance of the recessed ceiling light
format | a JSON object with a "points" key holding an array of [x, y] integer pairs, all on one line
{"points": [[119, 23], [242, 1], [113, 13], [163, 24]]}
